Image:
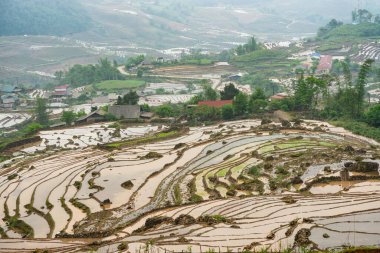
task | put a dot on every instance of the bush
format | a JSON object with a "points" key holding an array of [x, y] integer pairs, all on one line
{"points": [[373, 116], [227, 112], [359, 128], [254, 171], [32, 128]]}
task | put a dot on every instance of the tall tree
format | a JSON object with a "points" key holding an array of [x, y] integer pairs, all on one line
{"points": [[229, 92], [41, 112], [360, 85], [68, 117], [131, 98], [240, 103], [209, 93]]}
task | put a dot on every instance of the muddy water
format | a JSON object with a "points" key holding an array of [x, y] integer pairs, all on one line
{"points": [[346, 238]]}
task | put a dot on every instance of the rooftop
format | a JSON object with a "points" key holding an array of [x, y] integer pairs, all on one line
{"points": [[218, 103]]}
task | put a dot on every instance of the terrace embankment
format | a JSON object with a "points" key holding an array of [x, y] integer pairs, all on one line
{"points": [[237, 172]]}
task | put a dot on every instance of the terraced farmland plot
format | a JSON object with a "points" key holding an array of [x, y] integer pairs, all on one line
{"points": [[230, 186], [81, 137], [8, 120]]}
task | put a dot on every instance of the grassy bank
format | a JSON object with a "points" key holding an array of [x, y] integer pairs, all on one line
{"points": [[119, 84], [359, 128]]}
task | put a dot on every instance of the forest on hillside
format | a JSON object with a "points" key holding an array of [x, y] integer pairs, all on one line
{"points": [[42, 17]]}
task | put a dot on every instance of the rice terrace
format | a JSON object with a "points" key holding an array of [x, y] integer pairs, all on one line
{"points": [[239, 185], [191, 126]]}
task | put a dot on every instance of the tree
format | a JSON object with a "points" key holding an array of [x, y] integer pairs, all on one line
{"points": [[229, 92], [257, 101], [209, 93], [119, 100], [377, 19], [68, 117], [131, 98], [134, 61], [227, 112], [140, 73], [165, 111], [205, 113], [307, 92], [360, 85], [41, 112], [59, 75], [240, 103], [373, 116]]}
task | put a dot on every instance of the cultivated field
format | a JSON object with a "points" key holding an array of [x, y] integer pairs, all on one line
{"points": [[119, 84], [8, 120], [225, 187]]}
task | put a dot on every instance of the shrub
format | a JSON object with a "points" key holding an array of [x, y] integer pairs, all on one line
{"points": [[254, 171]]}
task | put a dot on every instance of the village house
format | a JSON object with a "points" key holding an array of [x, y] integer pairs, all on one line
{"points": [[125, 111], [9, 89], [325, 65], [95, 116], [217, 104], [8, 101], [61, 93]]}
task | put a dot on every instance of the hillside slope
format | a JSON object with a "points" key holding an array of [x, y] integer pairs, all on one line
{"points": [[42, 17]]}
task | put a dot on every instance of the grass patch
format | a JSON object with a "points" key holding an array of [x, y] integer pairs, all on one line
{"points": [[254, 171], [177, 195], [359, 128], [67, 210], [143, 140], [119, 84], [12, 176], [19, 226], [81, 206]]}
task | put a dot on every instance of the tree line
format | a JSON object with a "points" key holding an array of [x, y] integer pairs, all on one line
{"points": [[80, 75]]}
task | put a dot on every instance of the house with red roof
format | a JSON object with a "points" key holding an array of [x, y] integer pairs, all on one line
{"points": [[216, 104], [61, 92], [325, 65]]}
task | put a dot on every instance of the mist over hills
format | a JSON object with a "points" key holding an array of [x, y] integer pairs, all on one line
{"points": [[63, 33], [166, 23], [42, 17]]}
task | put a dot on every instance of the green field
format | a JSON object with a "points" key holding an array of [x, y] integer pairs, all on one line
{"points": [[119, 84]]}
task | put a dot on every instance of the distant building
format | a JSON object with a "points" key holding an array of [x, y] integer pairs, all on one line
{"points": [[325, 65], [95, 116], [125, 111], [315, 55], [61, 93], [8, 101], [235, 77], [217, 104], [7, 89]]}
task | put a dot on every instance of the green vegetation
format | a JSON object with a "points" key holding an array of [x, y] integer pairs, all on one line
{"points": [[42, 116], [359, 128], [12, 176], [19, 226], [80, 75], [134, 61], [372, 116], [119, 84], [131, 98], [254, 171], [42, 17], [78, 185], [138, 141], [81, 206]]}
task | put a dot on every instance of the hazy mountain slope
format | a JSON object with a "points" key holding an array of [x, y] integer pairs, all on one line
{"points": [[42, 17]]}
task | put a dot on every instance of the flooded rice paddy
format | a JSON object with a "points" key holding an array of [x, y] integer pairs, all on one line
{"points": [[241, 184]]}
